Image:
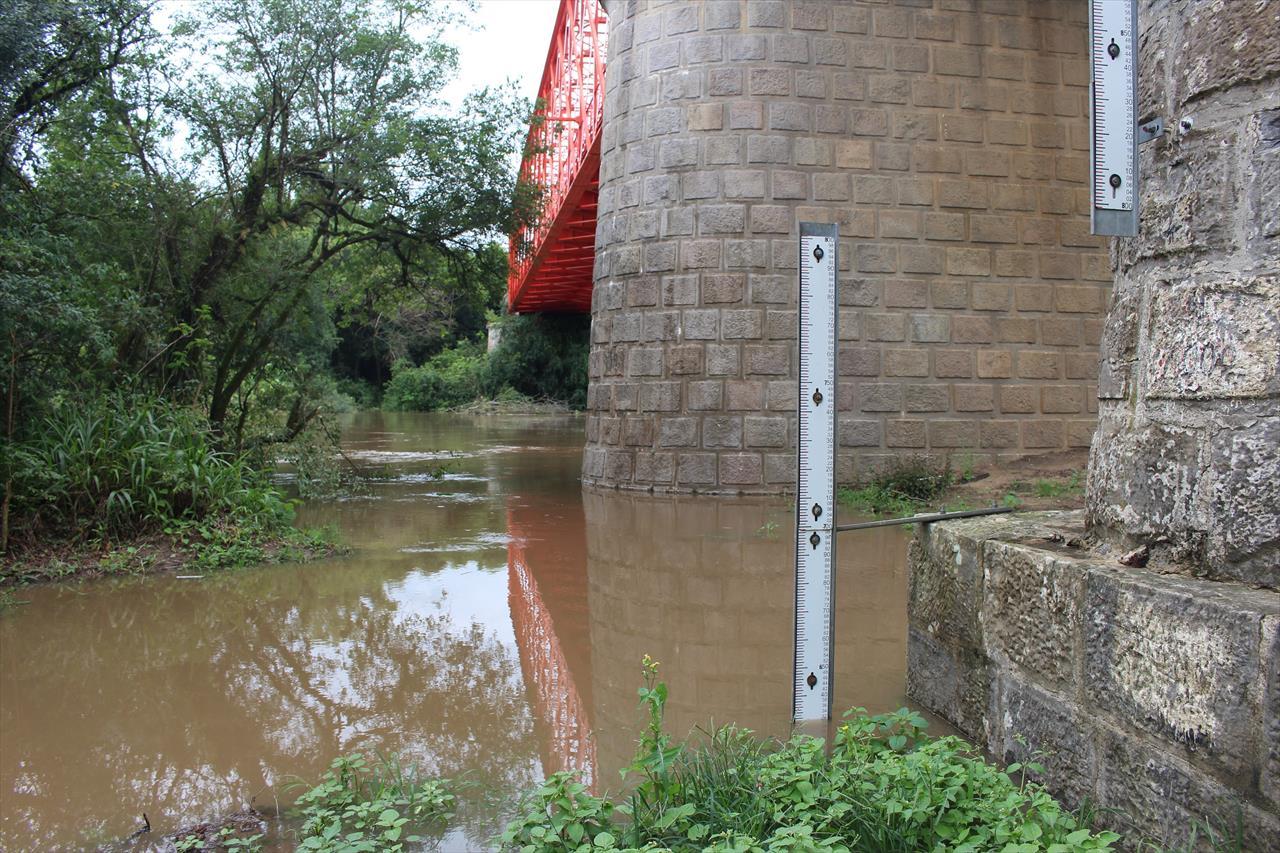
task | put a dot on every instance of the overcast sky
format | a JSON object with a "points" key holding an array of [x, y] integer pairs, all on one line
{"points": [[506, 39], [510, 42]]}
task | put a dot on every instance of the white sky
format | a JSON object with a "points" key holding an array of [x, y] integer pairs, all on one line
{"points": [[505, 40], [510, 42]]}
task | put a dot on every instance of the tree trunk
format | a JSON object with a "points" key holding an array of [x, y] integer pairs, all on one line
{"points": [[8, 432]]}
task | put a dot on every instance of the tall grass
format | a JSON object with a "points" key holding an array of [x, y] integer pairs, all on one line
{"points": [[122, 466]]}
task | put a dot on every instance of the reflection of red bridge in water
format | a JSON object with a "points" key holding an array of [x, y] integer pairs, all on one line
{"points": [[551, 261], [553, 635]]}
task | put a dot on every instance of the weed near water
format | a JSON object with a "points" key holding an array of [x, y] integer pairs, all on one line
{"points": [[362, 806], [129, 485], [885, 786], [905, 487]]}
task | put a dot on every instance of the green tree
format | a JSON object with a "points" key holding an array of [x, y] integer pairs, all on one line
{"points": [[50, 50], [321, 124], [203, 231]]}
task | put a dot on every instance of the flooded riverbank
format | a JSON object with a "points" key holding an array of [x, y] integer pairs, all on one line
{"points": [[488, 624]]}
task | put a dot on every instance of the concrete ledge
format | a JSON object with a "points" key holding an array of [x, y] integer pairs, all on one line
{"points": [[1155, 695]]}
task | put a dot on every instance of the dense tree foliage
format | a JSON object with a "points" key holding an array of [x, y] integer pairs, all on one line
{"points": [[229, 210], [538, 357]]}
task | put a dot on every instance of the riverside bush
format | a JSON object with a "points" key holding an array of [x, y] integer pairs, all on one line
{"points": [[452, 377], [543, 356], [123, 466], [539, 357]]}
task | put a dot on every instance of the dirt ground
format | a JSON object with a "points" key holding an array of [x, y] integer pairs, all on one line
{"points": [[1049, 481]]}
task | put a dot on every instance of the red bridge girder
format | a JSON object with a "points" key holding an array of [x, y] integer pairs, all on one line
{"points": [[551, 260], [559, 704]]}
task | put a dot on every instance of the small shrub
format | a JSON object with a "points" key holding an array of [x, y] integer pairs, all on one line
{"points": [[886, 786], [360, 807]]}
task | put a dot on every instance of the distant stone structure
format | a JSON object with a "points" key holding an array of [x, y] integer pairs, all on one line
{"points": [[1138, 644], [949, 140]]}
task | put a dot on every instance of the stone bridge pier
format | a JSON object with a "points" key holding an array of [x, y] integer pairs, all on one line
{"points": [[1138, 643], [949, 140]]}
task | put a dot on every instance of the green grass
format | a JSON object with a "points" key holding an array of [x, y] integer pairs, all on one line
{"points": [[906, 487], [126, 485], [1044, 488]]}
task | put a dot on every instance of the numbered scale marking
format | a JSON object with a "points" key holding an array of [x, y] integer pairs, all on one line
{"points": [[1113, 60], [816, 482]]}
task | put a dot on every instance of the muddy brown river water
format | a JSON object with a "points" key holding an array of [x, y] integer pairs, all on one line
{"points": [[487, 625]]}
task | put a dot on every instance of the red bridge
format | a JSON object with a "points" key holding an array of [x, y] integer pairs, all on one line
{"points": [[551, 260], [547, 594]]}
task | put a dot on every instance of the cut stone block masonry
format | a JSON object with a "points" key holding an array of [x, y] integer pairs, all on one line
{"points": [[949, 141]]}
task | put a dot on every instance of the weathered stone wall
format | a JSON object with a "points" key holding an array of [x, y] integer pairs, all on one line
{"points": [[1187, 456], [1153, 695], [948, 138]]}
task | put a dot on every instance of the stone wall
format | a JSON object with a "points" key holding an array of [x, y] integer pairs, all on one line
{"points": [[1187, 457], [1152, 680], [948, 138], [1155, 696]]}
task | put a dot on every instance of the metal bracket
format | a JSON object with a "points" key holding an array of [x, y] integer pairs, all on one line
{"points": [[1150, 130], [924, 518]]}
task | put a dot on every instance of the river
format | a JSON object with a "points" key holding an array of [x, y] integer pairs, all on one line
{"points": [[488, 625]]}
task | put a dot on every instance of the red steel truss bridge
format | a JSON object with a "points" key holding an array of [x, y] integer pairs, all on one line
{"points": [[551, 260]]}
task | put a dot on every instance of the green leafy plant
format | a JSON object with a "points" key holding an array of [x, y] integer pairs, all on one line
{"points": [[359, 807], [562, 815], [885, 786]]}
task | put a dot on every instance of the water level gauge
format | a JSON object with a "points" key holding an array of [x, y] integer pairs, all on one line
{"points": [[1113, 63], [816, 480]]}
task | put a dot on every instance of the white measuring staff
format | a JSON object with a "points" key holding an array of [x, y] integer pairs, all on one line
{"points": [[816, 473], [1113, 63]]}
